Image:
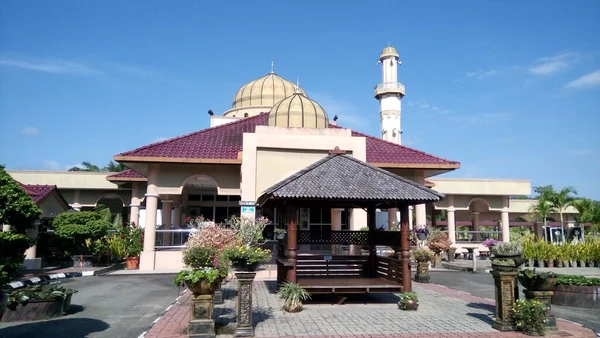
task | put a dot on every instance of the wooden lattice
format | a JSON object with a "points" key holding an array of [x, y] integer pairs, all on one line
{"points": [[334, 237]]}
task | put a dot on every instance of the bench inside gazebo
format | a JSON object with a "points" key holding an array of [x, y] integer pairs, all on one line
{"points": [[345, 262]]}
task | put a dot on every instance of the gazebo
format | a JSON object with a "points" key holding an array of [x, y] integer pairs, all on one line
{"points": [[345, 262]]}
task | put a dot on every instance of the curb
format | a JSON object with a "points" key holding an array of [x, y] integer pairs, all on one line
{"points": [[465, 268], [44, 278], [143, 334]]}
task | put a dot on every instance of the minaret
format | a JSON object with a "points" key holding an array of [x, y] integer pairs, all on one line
{"points": [[389, 93]]}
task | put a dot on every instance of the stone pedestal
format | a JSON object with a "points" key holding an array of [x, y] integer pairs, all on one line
{"points": [[504, 289], [422, 275], [244, 326], [202, 323], [544, 297], [218, 295]]}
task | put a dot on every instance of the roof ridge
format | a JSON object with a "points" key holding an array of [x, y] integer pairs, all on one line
{"points": [[389, 173], [395, 144], [197, 132]]}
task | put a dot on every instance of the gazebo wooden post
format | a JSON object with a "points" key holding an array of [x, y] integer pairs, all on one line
{"points": [[405, 249], [371, 223], [292, 242]]}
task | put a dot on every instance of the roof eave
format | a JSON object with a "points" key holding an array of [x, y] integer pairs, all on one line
{"points": [[149, 159], [126, 179], [416, 165]]}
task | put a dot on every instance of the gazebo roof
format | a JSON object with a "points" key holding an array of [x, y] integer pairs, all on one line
{"points": [[342, 178]]}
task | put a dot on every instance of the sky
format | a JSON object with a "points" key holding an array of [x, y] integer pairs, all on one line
{"points": [[509, 89]]}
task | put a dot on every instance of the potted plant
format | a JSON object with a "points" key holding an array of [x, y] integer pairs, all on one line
{"points": [[438, 242], [131, 243], [292, 295], [280, 233], [507, 250], [530, 316], [451, 254], [421, 232], [541, 281], [422, 256], [248, 255], [490, 242], [201, 281], [507, 256], [408, 301]]}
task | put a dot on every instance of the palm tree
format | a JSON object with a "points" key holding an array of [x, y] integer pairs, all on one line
{"points": [[586, 208], [86, 166], [113, 166], [561, 200], [541, 210]]}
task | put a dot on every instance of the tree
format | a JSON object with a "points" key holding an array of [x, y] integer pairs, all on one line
{"points": [[17, 209], [112, 166], [86, 166], [560, 200], [541, 210], [588, 210]]}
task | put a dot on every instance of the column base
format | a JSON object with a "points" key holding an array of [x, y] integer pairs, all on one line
{"points": [[147, 259], [218, 295], [32, 263], [201, 328], [244, 326], [503, 325], [203, 322]]}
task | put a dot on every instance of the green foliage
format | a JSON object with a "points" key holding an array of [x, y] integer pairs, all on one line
{"points": [[577, 280], [406, 297], [110, 167], [127, 241], [82, 228], [292, 295], [364, 229], [422, 255], [37, 292], [249, 230], [507, 248], [530, 316], [197, 275], [198, 257], [16, 207], [12, 254]]}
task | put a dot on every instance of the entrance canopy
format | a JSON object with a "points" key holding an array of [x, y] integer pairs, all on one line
{"points": [[343, 180]]}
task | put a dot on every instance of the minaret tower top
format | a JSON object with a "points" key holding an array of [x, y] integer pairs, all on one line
{"points": [[389, 93]]}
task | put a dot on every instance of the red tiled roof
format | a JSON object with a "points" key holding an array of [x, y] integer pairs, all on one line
{"points": [[223, 143], [37, 192], [126, 175]]}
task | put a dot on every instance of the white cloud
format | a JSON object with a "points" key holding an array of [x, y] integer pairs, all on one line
{"points": [[579, 152], [30, 131], [346, 111], [586, 81], [554, 64], [485, 118], [51, 66], [481, 74], [160, 139], [427, 105], [51, 165]]}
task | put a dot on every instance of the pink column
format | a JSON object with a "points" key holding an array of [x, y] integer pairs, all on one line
{"points": [[451, 219], [134, 207], [505, 220]]}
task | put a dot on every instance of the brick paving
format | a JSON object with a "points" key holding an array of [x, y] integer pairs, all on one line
{"points": [[443, 312]]}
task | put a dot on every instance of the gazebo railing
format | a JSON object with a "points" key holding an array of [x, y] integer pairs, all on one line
{"points": [[387, 238], [477, 236], [172, 238]]}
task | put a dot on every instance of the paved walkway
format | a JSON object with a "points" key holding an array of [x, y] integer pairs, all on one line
{"points": [[442, 313]]}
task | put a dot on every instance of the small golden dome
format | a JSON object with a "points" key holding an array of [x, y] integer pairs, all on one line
{"points": [[265, 91], [389, 51], [298, 111]]}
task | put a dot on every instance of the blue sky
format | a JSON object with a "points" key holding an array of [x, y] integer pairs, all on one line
{"points": [[510, 89]]}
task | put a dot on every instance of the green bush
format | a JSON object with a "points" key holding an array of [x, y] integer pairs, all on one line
{"points": [[577, 280], [12, 254], [16, 207], [82, 228]]}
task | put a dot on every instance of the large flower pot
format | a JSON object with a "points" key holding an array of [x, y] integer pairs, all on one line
{"points": [[34, 310], [410, 305], [421, 236], [82, 261], [133, 263], [537, 284], [67, 303], [201, 288], [244, 265], [422, 275]]}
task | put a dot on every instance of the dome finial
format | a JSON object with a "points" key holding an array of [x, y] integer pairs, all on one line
{"points": [[272, 66], [297, 91]]}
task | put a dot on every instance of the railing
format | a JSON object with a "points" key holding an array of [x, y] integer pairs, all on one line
{"points": [[477, 236], [389, 268], [390, 85], [172, 238]]}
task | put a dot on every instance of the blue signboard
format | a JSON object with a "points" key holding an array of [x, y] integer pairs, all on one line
{"points": [[247, 209]]}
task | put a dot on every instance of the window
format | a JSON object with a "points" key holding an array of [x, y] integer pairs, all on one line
{"points": [[221, 214], [222, 198], [194, 197], [208, 197], [235, 198]]}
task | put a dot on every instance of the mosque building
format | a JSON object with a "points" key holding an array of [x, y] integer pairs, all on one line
{"points": [[273, 130]]}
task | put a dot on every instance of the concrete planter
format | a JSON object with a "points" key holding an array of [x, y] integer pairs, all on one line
{"points": [[576, 296], [34, 310]]}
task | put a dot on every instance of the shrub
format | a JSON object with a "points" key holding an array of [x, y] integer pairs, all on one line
{"points": [[439, 242], [292, 295], [82, 228], [17, 208], [12, 254], [422, 255], [530, 316]]}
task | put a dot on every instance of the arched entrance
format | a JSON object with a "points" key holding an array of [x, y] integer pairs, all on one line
{"points": [[202, 199], [114, 203]]}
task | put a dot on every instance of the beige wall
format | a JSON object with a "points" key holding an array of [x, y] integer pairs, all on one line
{"points": [[65, 179], [173, 176], [51, 205], [464, 186], [475, 203]]}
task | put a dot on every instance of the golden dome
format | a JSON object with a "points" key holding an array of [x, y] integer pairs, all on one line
{"points": [[389, 51], [265, 91], [298, 111]]}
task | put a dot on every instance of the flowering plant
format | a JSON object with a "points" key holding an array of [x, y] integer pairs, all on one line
{"points": [[248, 254], [530, 316], [194, 222], [421, 229], [489, 242], [213, 236], [249, 230]]}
